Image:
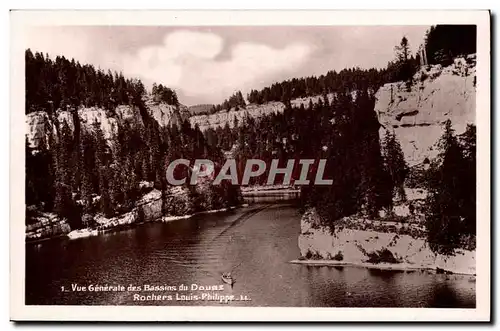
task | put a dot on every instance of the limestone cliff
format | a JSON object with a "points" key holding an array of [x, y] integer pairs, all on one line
{"points": [[377, 243], [39, 124], [416, 114], [221, 118], [46, 225], [253, 110]]}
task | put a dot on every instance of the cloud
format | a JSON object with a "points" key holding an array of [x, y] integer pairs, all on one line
{"points": [[189, 61], [208, 64]]}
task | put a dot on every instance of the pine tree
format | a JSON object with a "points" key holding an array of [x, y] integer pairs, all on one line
{"points": [[405, 63], [403, 50], [395, 165], [445, 220], [87, 166], [468, 141], [102, 170], [63, 200], [30, 183]]}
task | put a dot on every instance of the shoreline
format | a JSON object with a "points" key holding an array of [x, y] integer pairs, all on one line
{"points": [[84, 233], [166, 219], [381, 266], [269, 192]]}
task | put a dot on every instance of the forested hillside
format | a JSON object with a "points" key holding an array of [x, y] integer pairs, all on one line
{"points": [[61, 83], [76, 171]]}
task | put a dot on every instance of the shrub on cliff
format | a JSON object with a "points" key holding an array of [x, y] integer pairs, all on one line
{"points": [[338, 257], [395, 164], [382, 256]]}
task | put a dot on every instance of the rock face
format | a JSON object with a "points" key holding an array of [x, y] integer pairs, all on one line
{"points": [[357, 246], [127, 113], [39, 124], [167, 114], [90, 116], [221, 118], [416, 115], [149, 208], [255, 111], [150, 205], [46, 225]]}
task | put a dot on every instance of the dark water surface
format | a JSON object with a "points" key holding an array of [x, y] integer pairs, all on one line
{"points": [[256, 242]]}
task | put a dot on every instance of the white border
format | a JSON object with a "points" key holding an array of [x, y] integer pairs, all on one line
{"points": [[21, 19]]}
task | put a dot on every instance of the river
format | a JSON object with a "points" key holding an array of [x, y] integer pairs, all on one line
{"points": [[256, 243]]}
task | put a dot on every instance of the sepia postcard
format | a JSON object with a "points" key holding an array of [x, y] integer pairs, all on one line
{"points": [[250, 166]]}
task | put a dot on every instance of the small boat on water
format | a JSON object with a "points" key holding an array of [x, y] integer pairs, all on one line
{"points": [[227, 278]]}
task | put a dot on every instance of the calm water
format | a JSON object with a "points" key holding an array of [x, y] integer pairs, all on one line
{"points": [[256, 242]]}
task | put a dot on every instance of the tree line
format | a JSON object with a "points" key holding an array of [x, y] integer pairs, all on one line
{"points": [[401, 68], [347, 80], [445, 42], [61, 83], [235, 101], [442, 44]]}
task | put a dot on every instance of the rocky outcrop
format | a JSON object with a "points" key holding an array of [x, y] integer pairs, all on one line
{"points": [[166, 114], [128, 114], [97, 116], [222, 118], [150, 205], [385, 245], [46, 225], [148, 209], [416, 114], [39, 124], [232, 116], [314, 99], [38, 128]]}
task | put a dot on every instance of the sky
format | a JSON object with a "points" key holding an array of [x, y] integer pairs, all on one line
{"points": [[208, 64]]}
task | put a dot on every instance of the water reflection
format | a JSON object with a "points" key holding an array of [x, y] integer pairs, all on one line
{"points": [[271, 198]]}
